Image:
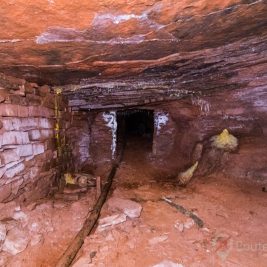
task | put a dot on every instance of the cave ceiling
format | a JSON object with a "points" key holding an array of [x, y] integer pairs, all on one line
{"points": [[200, 44]]}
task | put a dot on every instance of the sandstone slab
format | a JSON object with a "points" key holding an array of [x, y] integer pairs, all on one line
{"points": [[111, 221], [168, 263], [130, 208], [16, 241]]}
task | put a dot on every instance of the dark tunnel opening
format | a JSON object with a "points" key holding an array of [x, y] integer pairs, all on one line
{"points": [[136, 126]]}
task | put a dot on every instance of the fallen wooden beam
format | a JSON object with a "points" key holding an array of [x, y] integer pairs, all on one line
{"points": [[72, 250], [184, 211]]}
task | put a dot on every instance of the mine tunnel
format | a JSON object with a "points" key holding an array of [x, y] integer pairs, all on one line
{"points": [[133, 133], [135, 126]]}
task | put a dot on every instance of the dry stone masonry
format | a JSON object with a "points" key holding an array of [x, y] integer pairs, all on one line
{"points": [[28, 154]]}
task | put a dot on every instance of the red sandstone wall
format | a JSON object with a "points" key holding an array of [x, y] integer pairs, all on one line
{"points": [[102, 138], [78, 140], [195, 120], [27, 145], [89, 141]]}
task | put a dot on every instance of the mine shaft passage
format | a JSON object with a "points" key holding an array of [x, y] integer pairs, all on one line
{"points": [[136, 125]]}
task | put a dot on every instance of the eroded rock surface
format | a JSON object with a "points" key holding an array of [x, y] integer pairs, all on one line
{"points": [[80, 39]]}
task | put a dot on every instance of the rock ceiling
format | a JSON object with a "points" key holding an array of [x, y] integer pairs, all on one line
{"points": [[62, 42]]}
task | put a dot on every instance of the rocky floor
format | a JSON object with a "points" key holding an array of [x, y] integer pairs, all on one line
{"points": [[141, 229]]}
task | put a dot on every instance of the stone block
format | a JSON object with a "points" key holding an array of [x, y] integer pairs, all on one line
{"points": [[29, 89], [8, 110], [34, 100], [34, 111], [44, 90], [17, 124], [13, 110], [8, 123], [29, 124], [11, 172], [47, 112], [34, 135], [15, 138], [12, 164], [38, 148], [45, 123], [8, 156], [18, 100], [23, 111], [39, 111], [25, 150], [45, 134]]}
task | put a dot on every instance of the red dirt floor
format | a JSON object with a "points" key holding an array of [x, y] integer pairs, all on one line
{"points": [[234, 232]]}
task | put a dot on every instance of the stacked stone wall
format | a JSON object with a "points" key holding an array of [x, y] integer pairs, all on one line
{"points": [[28, 152]]}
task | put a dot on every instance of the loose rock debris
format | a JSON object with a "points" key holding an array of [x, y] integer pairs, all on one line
{"points": [[130, 208], [152, 238]]}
